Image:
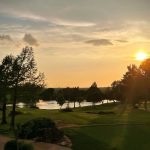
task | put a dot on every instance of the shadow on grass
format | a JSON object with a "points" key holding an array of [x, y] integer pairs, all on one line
{"points": [[83, 141]]}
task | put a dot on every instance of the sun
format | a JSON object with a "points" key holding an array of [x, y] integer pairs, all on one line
{"points": [[141, 56]]}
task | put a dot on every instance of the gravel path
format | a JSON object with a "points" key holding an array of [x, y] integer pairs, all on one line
{"points": [[37, 145]]}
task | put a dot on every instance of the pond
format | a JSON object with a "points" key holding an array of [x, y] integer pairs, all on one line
{"points": [[53, 104]]}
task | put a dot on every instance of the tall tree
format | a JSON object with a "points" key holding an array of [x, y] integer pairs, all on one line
{"points": [[24, 70], [145, 68], [130, 88], [5, 83], [132, 81]]}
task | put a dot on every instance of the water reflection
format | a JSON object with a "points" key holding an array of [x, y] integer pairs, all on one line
{"points": [[53, 104], [20, 105]]}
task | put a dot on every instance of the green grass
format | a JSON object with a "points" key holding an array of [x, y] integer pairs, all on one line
{"points": [[129, 136]]}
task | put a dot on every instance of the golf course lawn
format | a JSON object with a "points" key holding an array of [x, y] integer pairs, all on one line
{"points": [[124, 129]]}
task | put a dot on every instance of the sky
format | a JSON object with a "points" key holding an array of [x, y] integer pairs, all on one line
{"points": [[77, 42]]}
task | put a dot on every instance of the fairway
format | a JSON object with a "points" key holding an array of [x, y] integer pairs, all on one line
{"points": [[126, 129], [126, 137]]}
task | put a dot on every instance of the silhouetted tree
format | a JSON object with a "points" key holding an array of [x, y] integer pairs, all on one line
{"points": [[60, 98], [108, 94], [94, 94], [145, 68], [67, 95], [132, 81], [5, 84], [29, 93], [24, 70], [117, 91], [47, 94], [74, 95], [81, 96], [130, 89]]}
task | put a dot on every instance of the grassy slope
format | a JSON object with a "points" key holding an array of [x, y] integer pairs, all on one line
{"points": [[118, 137]]}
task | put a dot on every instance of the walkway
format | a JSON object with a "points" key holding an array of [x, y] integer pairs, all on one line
{"points": [[37, 145]]}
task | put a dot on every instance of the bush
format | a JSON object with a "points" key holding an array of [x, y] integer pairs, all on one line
{"points": [[67, 110], [33, 107], [50, 135], [27, 147], [13, 144], [41, 129]]}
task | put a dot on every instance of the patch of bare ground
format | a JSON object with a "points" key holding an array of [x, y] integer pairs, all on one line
{"points": [[60, 124], [40, 145]]}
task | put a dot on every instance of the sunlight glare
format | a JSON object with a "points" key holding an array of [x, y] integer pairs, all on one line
{"points": [[141, 56]]}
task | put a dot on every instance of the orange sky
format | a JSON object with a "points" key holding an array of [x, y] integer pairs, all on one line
{"points": [[77, 42]]}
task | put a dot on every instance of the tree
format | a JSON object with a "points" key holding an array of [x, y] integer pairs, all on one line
{"points": [[108, 94], [74, 96], [29, 93], [130, 89], [94, 94], [5, 83], [24, 70], [145, 68], [133, 81], [67, 95], [81, 96], [60, 98], [47, 94], [117, 91]]}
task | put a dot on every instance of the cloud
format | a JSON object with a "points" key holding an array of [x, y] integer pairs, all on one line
{"points": [[28, 38], [99, 42], [5, 38], [122, 41], [72, 23]]}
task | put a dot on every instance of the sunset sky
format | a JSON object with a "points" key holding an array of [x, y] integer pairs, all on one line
{"points": [[77, 42]]}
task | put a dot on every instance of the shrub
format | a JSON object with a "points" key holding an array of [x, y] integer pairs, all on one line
{"points": [[13, 144], [42, 129], [67, 110], [51, 135], [27, 147], [33, 107]]}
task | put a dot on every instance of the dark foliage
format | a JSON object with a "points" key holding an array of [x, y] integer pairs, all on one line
{"points": [[67, 109], [42, 129], [47, 94], [94, 94], [14, 145], [49, 135]]}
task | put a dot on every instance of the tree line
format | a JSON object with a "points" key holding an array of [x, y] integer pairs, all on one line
{"points": [[133, 88]]}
